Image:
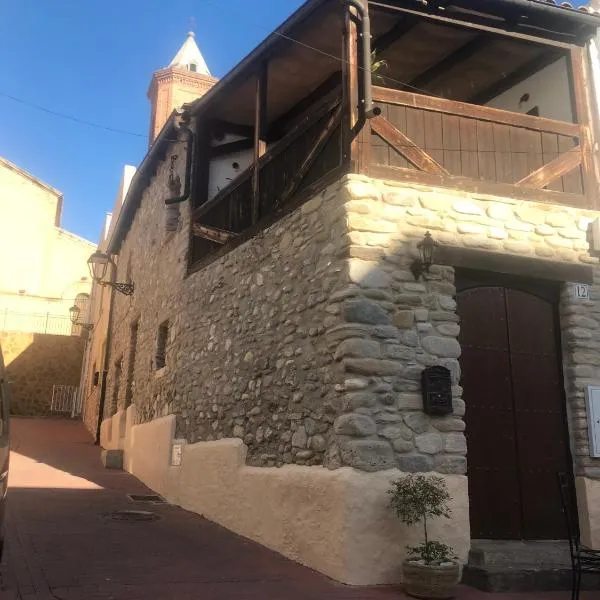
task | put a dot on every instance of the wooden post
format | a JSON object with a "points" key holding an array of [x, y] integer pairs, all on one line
{"points": [[581, 86], [260, 130], [350, 85]]}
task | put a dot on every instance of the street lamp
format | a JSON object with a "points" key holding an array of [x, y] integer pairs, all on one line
{"points": [[426, 247], [98, 265], [74, 313]]}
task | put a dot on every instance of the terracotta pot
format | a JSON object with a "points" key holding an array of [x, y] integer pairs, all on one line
{"points": [[430, 581]]}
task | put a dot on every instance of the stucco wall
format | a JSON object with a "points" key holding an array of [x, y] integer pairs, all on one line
{"points": [[337, 522], [37, 362], [42, 267]]}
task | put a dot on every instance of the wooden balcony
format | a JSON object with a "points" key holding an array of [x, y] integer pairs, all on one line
{"points": [[428, 140]]}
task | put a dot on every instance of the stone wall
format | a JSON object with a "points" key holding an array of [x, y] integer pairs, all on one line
{"points": [[308, 341], [247, 355], [395, 326], [36, 362]]}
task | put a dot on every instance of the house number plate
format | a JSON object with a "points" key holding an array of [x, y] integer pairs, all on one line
{"points": [[581, 291]]}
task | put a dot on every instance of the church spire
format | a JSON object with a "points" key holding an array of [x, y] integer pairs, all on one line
{"points": [[189, 57], [183, 81]]}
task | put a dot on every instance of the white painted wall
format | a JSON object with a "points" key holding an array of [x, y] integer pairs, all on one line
{"points": [[222, 171], [337, 522], [548, 89]]}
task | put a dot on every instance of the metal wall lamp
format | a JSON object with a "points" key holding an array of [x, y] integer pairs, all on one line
{"points": [[74, 313], [426, 247], [98, 265]]}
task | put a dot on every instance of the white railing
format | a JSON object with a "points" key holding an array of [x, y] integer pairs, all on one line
{"points": [[36, 323], [66, 400]]}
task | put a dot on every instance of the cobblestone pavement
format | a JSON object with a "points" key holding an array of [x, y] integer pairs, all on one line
{"points": [[61, 543]]}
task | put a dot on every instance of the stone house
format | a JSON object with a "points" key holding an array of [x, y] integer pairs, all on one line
{"points": [[43, 272], [266, 371]]}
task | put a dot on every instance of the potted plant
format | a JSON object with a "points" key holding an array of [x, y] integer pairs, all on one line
{"points": [[431, 569]]}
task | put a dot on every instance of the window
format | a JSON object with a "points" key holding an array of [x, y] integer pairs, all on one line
{"points": [[193, 67], [117, 387], [133, 334], [161, 346]]}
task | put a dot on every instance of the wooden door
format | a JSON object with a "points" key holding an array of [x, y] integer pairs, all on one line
{"points": [[516, 425]]}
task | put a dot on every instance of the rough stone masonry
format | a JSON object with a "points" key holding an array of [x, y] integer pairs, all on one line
{"points": [[308, 341]]}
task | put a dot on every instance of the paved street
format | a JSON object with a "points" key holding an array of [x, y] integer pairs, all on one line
{"points": [[61, 544]]}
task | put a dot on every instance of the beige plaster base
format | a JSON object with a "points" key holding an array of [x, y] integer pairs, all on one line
{"points": [[588, 501], [337, 522]]}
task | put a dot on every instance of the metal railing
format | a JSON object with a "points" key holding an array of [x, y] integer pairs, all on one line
{"points": [[35, 323], [65, 400]]}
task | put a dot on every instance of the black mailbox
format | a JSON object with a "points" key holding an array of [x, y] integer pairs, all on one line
{"points": [[436, 384]]}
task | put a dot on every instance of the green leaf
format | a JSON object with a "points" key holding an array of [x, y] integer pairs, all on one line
{"points": [[417, 497], [432, 553]]}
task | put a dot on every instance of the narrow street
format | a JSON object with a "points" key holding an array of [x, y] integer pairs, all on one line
{"points": [[62, 542]]}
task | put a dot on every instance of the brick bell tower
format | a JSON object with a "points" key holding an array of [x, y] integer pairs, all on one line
{"points": [[185, 79]]}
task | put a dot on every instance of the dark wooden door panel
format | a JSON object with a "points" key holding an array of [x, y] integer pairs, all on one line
{"points": [[492, 458], [516, 426], [539, 412]]}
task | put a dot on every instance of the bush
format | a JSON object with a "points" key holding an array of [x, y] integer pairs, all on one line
{"points": [[416, 498]]}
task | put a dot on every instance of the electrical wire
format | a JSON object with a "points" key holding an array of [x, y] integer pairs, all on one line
{"points": [[141, 135], [68, 117], [300, 43]]}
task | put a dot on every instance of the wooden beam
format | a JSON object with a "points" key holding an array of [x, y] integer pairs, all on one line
{"points": [[471, 21], [390, 37], [465, 52], [220, 236], [278, 128], [482, 113], [313, 154], [231, 147], [517, 76], [580, 87], [482, 260], [406, 147], [556, 168], [260, 130]]}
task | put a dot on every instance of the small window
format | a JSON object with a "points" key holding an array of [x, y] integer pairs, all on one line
{"points": [[133, 336], [193, 67], [161, 346], [96, 378]]}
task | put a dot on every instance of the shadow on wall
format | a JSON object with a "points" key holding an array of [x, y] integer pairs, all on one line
{"points": [[35, 363]]}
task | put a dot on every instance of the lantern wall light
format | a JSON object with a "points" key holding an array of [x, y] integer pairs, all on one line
{"points": [[98, 264], [426, 247], [74, 314]]}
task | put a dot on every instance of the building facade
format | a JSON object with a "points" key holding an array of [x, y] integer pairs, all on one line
{"points": [[43, 272], [267, 371]]}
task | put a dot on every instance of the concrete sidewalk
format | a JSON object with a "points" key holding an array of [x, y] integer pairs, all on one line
{"points": [[63, 544]]}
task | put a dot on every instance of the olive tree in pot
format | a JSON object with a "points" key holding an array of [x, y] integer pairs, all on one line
{"points": [[431, 569]]}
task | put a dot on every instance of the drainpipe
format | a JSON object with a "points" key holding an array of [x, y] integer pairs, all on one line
{"points": [[185, 126], [366, 108], [106, 358]]}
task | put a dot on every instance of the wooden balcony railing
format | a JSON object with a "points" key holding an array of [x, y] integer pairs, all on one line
{"points": [[305, 159], [475, 148]]}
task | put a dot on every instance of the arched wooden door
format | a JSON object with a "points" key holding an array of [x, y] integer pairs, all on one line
{"points": [[516, 425]]}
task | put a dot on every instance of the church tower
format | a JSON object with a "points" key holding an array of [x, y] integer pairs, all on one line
{"points": [[184, 80]]}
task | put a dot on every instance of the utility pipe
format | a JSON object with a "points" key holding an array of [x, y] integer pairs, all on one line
{"points": [[179, 126], [364, 24]]}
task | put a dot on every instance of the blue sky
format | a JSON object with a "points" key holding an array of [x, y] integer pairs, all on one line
{"points": [[93, 60]]}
